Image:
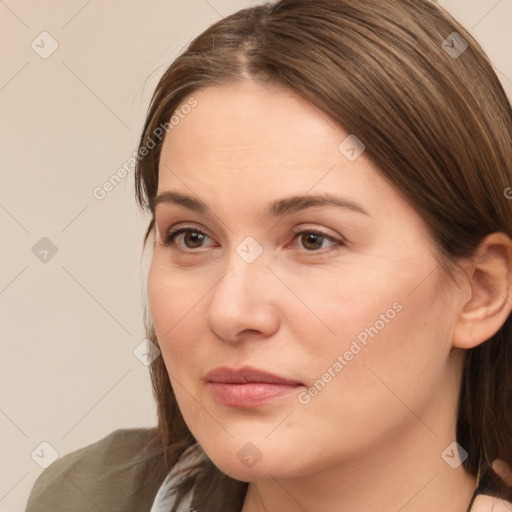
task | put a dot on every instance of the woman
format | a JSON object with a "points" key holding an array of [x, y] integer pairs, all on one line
{"points": [[331, 281]]}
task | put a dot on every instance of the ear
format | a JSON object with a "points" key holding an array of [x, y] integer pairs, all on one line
{"points": [[490, 301]]}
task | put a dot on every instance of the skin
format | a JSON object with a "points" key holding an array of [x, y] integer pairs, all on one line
{"points": [[372, 438]]}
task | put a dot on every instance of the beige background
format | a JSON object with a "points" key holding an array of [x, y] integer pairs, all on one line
{"points": [[69, 325]]}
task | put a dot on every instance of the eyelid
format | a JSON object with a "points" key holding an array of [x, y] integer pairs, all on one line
{"points": [[321, 231]]}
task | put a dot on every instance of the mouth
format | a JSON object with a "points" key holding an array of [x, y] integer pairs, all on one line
{"points": [[248, 387]]}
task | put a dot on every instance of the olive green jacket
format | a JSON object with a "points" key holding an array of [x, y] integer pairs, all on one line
{"points": [[116, 474]]}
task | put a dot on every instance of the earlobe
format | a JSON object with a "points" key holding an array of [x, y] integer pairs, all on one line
{"points": [[490, 302]]}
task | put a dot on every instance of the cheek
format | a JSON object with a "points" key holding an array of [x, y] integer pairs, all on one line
{"points": [[174, 311], [384, 334], [173, 303], [340, 305], [398, 367]]}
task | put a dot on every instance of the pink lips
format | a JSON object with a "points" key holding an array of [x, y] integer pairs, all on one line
{"points": [[247, 386]]}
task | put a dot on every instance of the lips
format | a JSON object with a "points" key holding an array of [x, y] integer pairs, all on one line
{"points": [[248, 387], [246, 375]]}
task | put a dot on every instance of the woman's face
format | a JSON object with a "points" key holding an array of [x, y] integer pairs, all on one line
{"points": [[298, 260]]}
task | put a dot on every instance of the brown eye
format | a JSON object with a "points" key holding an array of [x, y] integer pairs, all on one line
{"points": [[315, 240], [193, 239], [312, 241], [190, 238]]}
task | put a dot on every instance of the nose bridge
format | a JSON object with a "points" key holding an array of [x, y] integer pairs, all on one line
{"points": [[239, 301], [245, 271]]}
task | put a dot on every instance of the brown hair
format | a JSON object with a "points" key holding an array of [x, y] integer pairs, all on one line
{"points": [[438, 126]]}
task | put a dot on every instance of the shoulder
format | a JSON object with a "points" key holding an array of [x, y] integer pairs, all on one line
{"points": [[120, 472], [494, 490]]}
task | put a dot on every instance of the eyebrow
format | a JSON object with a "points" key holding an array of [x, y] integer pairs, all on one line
{"points": [[278, 208]]}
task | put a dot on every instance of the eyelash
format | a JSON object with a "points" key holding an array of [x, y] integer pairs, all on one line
{"points": [[172, 234]]}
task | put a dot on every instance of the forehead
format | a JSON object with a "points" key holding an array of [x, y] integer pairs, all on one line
{"points": [[236, 121], [245, 139]]}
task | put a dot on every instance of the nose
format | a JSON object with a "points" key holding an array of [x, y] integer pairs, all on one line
{"points": [[242, 304]]}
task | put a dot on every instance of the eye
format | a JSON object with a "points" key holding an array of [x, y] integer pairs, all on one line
{"points": [[312, 240], [192, 238]]}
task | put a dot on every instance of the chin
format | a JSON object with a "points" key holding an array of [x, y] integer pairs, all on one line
{"points": [[245, 472], [256, 460]]}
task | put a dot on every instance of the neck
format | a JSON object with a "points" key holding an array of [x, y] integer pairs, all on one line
{"points": [[407, 474]]}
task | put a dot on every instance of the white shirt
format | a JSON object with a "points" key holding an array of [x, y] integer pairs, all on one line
{"points": [[166, 496]]}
